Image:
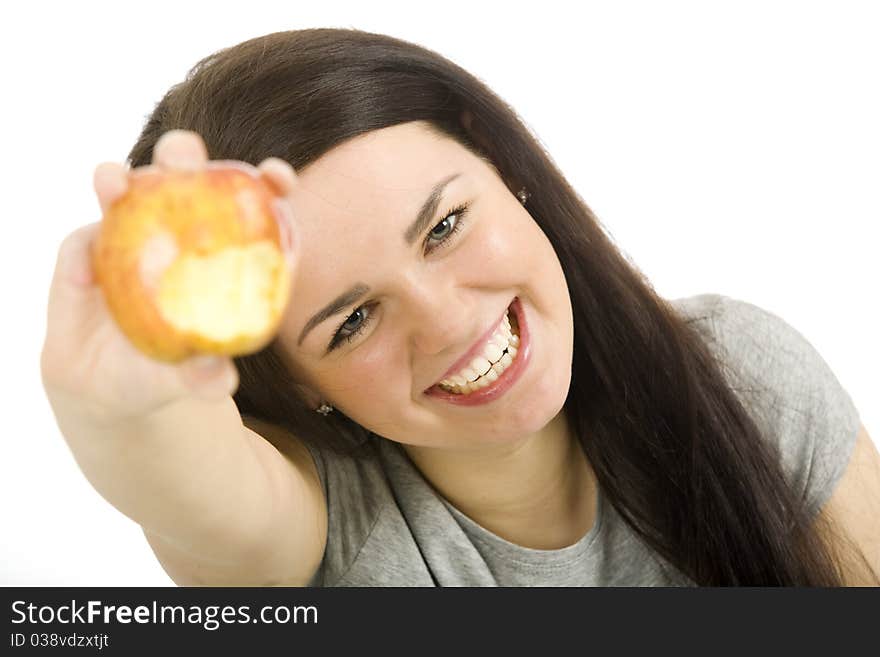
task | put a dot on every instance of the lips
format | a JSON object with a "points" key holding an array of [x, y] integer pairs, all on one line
{"points": [[511, 375], [475, 350]]}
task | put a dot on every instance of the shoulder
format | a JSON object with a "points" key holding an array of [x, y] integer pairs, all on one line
{"points": [[352, 489], [786, 386], [357, 492], [760, 353], [742, 330], [765, 358]]}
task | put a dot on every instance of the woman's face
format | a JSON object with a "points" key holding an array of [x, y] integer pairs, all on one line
{"points": [[430, 296]]}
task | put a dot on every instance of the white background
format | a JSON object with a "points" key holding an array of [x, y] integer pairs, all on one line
{"points": [[727, 147]]}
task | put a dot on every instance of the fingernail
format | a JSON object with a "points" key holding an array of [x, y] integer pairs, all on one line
{"points": [[285, 226], [184, 163], [207, 364]]}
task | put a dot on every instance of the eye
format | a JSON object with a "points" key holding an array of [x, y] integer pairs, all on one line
{"points": [[441, 234], [352, 326], [451, 223], [445, 227]]}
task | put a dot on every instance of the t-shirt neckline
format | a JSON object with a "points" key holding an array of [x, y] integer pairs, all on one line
{"points": [[537, 558]]}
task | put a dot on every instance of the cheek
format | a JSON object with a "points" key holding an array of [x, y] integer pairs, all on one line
{"points": [[365, 389], [495, 244], [514, 244], [368, 375]]}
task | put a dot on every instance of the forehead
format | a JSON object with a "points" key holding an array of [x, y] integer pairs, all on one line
{"points": [[390, 164]]}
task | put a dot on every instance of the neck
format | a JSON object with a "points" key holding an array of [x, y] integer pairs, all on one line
{"points": [[538, 492]]}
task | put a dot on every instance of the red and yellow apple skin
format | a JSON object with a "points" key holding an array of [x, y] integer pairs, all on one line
{"points": [[194, 262]]}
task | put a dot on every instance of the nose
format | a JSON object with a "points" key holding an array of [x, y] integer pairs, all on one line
{"points": [[438, 316]]}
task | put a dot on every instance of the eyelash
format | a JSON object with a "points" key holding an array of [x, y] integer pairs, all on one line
{"points": [[460, 211]]}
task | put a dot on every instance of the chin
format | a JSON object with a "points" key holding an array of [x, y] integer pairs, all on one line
{"points": [[523, 420]]}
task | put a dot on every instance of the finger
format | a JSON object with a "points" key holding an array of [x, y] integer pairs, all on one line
{"points": [[74, 263], [286, 228], [110, 181], [279, 174], [73, 282], [180, 149]]}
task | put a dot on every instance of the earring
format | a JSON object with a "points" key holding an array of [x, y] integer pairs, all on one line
{"points": [[523, 195], [324, 409]]}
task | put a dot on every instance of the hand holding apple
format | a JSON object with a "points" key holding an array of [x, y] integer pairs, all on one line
{"points": [[196, 261], [90, 367], [163, 441]]}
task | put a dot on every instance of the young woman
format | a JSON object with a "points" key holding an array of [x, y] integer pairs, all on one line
{"points": [[501, 397]]}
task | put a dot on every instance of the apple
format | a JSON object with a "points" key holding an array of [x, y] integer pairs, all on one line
{"points": [[193, 262]]}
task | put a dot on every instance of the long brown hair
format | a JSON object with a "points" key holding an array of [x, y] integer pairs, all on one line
{"points": [[647, 400]]}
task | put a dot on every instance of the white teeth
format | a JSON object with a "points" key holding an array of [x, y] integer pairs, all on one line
{"points": [[495, 346], [462, 386], [480, 365], [469, 374], [499, 352], [492, 352]]}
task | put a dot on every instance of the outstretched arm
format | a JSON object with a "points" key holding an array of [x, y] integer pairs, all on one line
{"points": [[854, 509]]}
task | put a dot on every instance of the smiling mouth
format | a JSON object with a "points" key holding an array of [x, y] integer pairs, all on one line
{"points": [[497, 356]]}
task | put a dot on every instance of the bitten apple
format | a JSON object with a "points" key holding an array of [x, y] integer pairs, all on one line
{"points": [[193, 262]]}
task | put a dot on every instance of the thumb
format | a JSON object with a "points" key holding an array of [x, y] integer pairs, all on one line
{"points": [[73, 291], [74, 262]]}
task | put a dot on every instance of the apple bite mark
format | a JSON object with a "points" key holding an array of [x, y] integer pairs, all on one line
{"points": [[229, 296]]}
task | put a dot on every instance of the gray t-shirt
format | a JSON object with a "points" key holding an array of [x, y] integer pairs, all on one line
{"points": [[389, 527]]}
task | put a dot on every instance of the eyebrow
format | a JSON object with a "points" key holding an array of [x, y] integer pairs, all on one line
{"points": [[355, 292]]}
